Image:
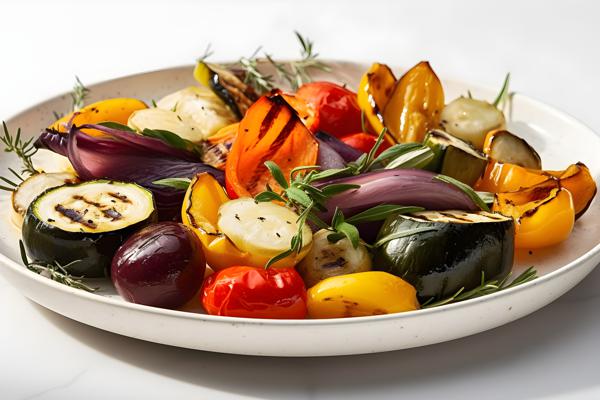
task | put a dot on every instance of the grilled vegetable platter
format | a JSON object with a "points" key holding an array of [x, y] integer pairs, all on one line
{"points": [[279, 197]]}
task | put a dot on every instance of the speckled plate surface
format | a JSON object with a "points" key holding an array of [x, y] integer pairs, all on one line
{"points": [[560, 140]]}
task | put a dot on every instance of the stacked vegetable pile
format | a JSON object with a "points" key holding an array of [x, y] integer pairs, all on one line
{"points": [[315, 202]]}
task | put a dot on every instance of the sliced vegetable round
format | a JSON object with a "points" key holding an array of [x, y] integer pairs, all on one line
{"points": [[32, 187], [454, 157], [161, 265], [471, 119], [440, 252], [261, 229], [83, 225], [326, 259]]}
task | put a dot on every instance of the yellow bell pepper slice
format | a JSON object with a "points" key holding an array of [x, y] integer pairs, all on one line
{"points": [[374, 91], [544, 214], [503, 177], [415, 104], [113, 110], [200, 212], [361, 294]]}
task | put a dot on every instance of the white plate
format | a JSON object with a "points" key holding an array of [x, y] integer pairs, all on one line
{"points": [[560, 139]]}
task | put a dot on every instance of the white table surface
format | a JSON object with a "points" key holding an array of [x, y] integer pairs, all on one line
{"points": [[551, 51]]}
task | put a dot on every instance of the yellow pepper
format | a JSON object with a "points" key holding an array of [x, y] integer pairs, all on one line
{"points": [[503, 177], [415, 104], [361, 294], [577, 180], [113, 110], [200, 211], [544, 214], [374, 91]]}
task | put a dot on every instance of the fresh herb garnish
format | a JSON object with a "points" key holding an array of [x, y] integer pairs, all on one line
{"points": [[55, 272], [466, 189], [25, 150], [176, 183], [503, 94], [78, 95], [484, 288]]}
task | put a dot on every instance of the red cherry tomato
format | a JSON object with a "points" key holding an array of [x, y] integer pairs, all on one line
{"points": [[336, 107], [364, 142], [277, 293]]}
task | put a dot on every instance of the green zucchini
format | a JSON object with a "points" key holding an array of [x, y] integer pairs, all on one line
{"points": [[451, 252], [454, 157], [225, 84], [82, 226]]}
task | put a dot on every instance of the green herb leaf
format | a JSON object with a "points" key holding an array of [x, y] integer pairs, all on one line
{"points": [[78, 95], [381, 212], [485, 288], [278, 257], [173, 139], [416, 158], [116, 125], [277, 174], [466, 189], [177, 183], [268, 196], [350, 231], [501, 98], [25, 150], [486, 197], [55, 272], [398, 235], [337, 188], [396, 151]]}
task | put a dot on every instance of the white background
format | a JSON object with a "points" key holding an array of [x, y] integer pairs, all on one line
{"points": [[552, 52]]}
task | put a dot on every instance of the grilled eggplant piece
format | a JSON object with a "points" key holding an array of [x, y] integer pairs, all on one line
{"points": [[453, 253], [454, 157], [82, 226], [503, 146], [231, 89]]}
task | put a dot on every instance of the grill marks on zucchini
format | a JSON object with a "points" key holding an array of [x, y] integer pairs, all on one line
{"points": [[74, 216]]}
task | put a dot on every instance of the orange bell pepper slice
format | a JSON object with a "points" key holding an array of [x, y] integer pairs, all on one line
{"points": [[503, 177], [544, 214], [270, 130]]}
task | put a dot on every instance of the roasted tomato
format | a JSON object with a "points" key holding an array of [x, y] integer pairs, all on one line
{"points": [[337, 108], [255, 293], [364, 142]]}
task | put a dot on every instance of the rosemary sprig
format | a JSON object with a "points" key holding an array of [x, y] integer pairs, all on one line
{"points": [[253, 76], [485, 288], [503, 94], [466, 189], [78, 95], [25, 150], [55, 272]]}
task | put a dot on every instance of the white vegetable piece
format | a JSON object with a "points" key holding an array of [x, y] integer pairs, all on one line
{"points": [[32, 187], [203, 109], [326, 259], [471, 119], [260, 228]]}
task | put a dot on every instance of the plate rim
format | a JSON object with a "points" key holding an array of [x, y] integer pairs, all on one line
{"points": [[592, 253]]}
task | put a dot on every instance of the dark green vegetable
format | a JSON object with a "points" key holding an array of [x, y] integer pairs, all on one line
{"points": [[454, 157], [450, 252], [81, 226]]}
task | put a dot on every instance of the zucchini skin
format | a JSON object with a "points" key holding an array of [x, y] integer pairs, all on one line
{"points": [[49, 244], [454, 255]]}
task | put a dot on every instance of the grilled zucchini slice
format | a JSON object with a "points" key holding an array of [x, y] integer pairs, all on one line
{"points": [[83, 225]]}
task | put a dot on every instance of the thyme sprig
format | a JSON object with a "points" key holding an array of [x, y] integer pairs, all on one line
{"points": [[79, 94], [484, 288], [300, 193], [24, 149], [55, 272]]}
